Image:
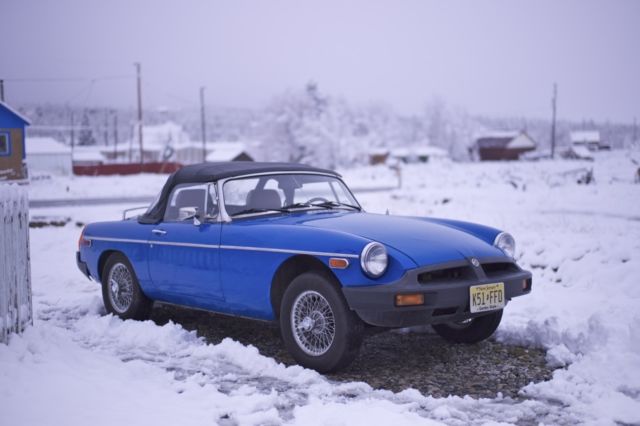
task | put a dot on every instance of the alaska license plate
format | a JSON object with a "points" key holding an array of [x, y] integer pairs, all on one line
{"points": [[486, 297]]}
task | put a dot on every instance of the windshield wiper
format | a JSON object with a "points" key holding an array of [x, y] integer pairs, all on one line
{"points": [[287, 208], [297, 206], [332, 204], [253, 210]]}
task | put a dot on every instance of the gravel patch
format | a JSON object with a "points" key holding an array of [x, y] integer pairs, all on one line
{"points": [[393, 360]]}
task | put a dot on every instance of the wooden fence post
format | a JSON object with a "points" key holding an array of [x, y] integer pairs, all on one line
{"points": [[16, 310]]}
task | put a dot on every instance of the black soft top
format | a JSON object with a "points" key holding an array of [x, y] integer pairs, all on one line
{"points": [[209, 172]]}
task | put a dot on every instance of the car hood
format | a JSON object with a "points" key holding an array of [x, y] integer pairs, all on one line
{"points": [[425, 241]]}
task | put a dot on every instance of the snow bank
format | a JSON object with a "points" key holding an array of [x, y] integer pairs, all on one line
{"points": [[582, 244]]}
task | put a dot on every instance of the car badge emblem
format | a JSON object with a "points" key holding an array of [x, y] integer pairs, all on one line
{"points": [[475, 262]]}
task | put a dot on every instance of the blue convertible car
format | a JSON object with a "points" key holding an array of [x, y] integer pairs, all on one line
{"points": [[290, 243]]}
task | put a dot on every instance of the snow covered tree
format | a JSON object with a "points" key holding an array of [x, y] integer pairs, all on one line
{"points": [[85, 136], [298, 128]]}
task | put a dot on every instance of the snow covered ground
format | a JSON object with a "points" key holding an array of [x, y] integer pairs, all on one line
{"points": [[582, 242]]}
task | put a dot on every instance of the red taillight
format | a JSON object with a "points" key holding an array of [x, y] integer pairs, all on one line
{"points": [[82, 241]]}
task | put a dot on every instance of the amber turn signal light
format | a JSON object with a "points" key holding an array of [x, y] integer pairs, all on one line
{"points": [[338, 263], [409, 299]]}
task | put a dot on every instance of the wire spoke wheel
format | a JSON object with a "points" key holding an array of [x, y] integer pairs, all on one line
{"points": [[120, 288], [313, 323]]}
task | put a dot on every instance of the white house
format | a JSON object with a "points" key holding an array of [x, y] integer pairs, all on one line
{"points": [[160, 142], [190, 153], [589, 139], [47, 155]]}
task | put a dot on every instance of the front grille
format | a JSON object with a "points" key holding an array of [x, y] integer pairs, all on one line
{"points": [[499, 268], [457, 273]]}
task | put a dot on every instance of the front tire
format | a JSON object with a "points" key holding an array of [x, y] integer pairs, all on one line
{"points": [[318, 328], [121, 291], [473, 330]]}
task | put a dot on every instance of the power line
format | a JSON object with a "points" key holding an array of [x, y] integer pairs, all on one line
{"points": [[68, 79], [203, 125]]}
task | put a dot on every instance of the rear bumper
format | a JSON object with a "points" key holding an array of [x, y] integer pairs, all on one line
{"points": [[82, 265], [443, 301]]}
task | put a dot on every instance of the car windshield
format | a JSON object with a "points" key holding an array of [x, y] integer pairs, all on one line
{"points": [[285, 193]]}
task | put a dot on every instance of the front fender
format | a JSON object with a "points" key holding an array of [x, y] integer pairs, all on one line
{"points": [[321, 243]]}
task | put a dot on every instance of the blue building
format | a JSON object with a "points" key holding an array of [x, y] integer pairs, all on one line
{"points": [[12, 152]]}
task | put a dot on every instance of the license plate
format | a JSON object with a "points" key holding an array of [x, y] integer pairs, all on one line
{"points": [[486, 297]]}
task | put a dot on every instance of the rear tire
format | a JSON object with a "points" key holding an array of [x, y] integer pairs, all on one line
{"points": [[476, 330], [318, 328], [121, 292]]}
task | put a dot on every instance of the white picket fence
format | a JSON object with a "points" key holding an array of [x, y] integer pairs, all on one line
{"points": [[15, 269]]}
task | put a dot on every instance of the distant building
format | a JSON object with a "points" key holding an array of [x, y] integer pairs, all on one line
{"points": [[227, 151], [159, 144], [407, 155], [503, 145], [88, 155], [578, 152], [47, 155], [425, 154], [589, 139], [189, 153], [378, 156], [402, 155], [12, 150]]}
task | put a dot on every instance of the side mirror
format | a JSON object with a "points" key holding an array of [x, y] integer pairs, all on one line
{"points": [[185, 213]]}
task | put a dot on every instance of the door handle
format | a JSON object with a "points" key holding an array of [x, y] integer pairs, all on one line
{"points": [[158, 231]]}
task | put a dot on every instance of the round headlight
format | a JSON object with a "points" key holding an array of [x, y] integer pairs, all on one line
{"points": [[374, 259], [505, 242]]}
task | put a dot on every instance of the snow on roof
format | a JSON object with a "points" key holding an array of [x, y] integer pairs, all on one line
{"points": [[431, 151], [88, 153], [400, 152], [581, 152], [45, 145], [161, 135], [15, 112], [584, 136], [378, 151], [521, 141], [224, 151], [497, 134]]}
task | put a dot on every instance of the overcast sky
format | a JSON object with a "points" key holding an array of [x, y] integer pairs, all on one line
{"points": [[492, 57]]}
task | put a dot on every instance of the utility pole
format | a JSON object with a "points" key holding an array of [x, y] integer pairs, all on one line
{"points": [[553, 119], [73, 133], [203, 126], [115, 135], [106, 126], [1, 90], [139, 81]]}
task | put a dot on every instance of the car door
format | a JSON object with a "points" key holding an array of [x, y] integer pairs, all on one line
{"points": [[184, 258]]}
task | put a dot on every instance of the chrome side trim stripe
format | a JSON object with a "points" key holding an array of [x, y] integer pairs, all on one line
{"points": [[116, 240], [171, 243], [275, 250], [225, 247]]}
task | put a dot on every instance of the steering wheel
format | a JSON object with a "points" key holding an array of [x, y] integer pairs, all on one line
{"points": [[316, 199]]}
